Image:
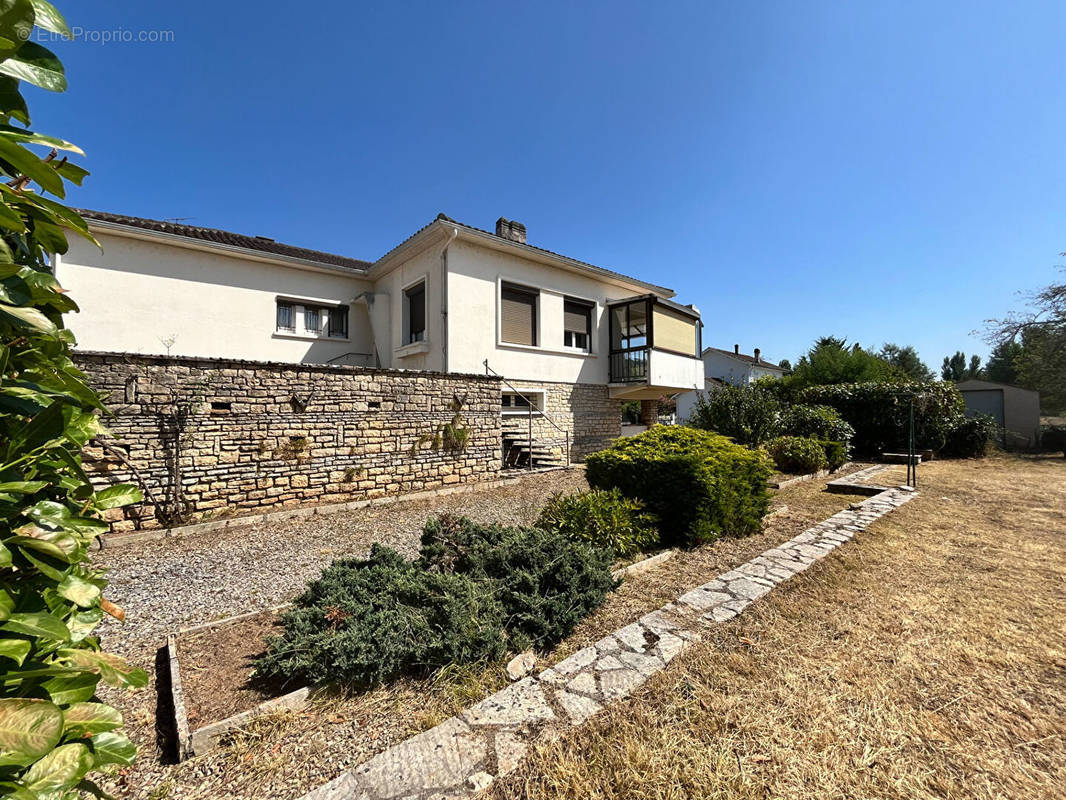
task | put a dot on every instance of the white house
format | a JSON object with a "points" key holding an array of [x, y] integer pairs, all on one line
{"points": [[572, 339], [728, 367]]}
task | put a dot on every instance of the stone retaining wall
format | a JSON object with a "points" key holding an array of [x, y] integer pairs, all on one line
{"points": [[221, 436], [584, 410]]}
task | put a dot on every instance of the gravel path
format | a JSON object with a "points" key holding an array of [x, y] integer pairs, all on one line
{"points": [[173, 583]]}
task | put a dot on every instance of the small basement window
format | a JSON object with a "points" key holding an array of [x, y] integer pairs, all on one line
{"points": [[519, 402], [220, 407]]}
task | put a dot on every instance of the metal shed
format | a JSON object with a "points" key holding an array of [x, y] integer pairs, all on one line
{"points": [[1016, 409]]}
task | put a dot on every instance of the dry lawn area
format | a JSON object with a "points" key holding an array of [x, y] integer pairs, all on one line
{"points": [[925, 659]]}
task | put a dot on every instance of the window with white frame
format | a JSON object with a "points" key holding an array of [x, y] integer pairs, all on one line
{"points": [[519, 402], [414, 313], [577, 324], [308, 319]]}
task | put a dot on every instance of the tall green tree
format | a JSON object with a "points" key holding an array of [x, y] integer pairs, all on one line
{"points": [[1002, 365], [1040, 331], [831, 361], [54, 731], [957, 368], [906, 360]]}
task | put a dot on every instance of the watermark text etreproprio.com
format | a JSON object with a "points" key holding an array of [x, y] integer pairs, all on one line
{"points": [[102, 36]]}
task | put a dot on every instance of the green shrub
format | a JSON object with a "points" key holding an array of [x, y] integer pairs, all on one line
{"points": [[879, 412], [836, 453], [817, 422], [601, 518], [364, 622], [700, 485], [747, 414], [969, 437], [798, 455], [545, 582]]}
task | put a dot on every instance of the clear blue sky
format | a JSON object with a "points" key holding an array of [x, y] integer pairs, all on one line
{"points": [[880, 171]]}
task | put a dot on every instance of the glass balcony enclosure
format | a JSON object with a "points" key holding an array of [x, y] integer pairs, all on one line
{"points": [[642, 324]]}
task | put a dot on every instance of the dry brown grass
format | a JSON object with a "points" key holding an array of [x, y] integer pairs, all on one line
{"points": [[926, 659]]}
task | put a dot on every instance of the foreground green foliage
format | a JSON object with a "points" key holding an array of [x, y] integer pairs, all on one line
{"points": [[798, 455], [53, 729], [602, 518], [700, 485], [367, 621], [546, 582]]}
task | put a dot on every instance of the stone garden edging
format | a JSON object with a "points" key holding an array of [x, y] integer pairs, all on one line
{"points": [[466, 753]]}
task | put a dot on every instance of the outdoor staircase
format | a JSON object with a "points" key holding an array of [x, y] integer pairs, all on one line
{"points": [[519, 452]]}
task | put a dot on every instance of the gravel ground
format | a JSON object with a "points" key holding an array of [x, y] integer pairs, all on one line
{"points": [[173, 583], [168, 584], [281, 757]]}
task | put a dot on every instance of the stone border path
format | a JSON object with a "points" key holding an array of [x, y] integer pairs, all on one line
{"points": [[465, 754]]}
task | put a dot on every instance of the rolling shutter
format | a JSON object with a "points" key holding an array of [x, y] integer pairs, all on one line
{"points": [[576, 317], [518, 315]]}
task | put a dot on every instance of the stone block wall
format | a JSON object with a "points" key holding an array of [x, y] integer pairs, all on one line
{"points": [[585, 410], [217, 436]]}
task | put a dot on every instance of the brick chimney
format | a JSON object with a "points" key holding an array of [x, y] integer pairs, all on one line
{"points": [[511, 230], [757, 352]]}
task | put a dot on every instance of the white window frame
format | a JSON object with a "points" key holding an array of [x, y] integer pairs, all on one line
{"points": [[536, 395], [594, 308], [299, 330], [405, 316]]}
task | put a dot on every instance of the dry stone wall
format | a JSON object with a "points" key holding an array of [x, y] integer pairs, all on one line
{"points": [[212, 437], [584, 410]]}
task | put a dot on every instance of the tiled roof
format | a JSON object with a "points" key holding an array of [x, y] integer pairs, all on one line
{"points": [[258, 243], [762, 362]]}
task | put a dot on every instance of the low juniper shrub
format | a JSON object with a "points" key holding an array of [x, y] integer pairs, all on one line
{"points": [[603, 518], [367, 621], [797, 454], [545, 582]]}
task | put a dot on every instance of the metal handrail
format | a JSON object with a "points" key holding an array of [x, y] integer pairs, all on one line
{"points": [[529, 404]]}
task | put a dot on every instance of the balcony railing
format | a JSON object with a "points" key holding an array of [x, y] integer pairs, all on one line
{"points": [[629, 366]]}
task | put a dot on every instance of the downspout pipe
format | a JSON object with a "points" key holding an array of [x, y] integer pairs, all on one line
{"points": [[444, 299]]}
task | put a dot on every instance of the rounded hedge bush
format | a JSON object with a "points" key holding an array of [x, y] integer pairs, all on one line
{"points": [[816, 422], [700, 485], [797, 454], [602, 518], [969, 437], [546, 582], [366, 621]]}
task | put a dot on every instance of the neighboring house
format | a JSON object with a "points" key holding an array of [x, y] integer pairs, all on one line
{"points": [[573, 339], [728, 367], [1017, 410]]}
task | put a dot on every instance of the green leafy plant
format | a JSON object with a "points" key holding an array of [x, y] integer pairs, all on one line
{"points": [[819, 422], [700, 485], [452, 437], [54, 730], [602, 518], [748, 414], [836, 453], [798, 455], [366, 621], [546, 582], [879, 412], [1053, 439], [969, 437]]}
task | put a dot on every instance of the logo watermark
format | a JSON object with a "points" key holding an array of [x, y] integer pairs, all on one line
{"points": [[105, 36]]}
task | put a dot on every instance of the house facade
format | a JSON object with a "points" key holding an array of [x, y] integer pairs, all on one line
{"points": [[571, 340], [727, 367]]}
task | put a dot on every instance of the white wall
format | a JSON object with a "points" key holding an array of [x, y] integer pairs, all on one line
{"points": [[672, 370], [474, 274], [136, 293], [389, 289]]}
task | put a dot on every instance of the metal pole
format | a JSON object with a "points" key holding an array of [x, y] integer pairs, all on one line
{"points": [[529, 444]]}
